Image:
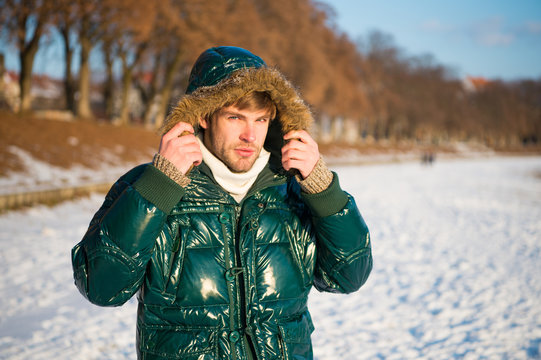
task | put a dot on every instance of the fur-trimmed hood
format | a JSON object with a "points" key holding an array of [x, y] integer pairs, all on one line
{"points": [[223, 75]]}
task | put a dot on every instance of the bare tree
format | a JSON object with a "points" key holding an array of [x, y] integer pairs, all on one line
{"points": [[109, 83], [131, 39], [88, 28], [65, 19], [183, 27], [25, 22]]}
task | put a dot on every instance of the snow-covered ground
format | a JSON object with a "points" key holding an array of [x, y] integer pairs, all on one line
{"points": [[456, 274], [40, 175]]}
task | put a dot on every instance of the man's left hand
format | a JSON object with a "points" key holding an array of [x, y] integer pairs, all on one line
{"points": [[300, 152]]}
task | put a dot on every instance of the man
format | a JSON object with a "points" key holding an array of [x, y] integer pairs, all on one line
{"points": [[225, 233]]}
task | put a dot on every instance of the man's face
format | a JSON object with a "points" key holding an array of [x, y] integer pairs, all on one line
{"points": [[236, 136]]}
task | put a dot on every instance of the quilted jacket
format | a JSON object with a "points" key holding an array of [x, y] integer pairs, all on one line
{"points": [[216, 279]]}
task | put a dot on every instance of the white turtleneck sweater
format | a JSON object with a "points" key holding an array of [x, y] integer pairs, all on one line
{"points": [[236, 184]]}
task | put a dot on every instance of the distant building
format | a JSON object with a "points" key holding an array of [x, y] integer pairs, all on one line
{"points": [[9, 91], [475, 83], [47, 93]]}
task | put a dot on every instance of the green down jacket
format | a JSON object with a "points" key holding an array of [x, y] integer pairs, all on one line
{"points": [[217, 279]]}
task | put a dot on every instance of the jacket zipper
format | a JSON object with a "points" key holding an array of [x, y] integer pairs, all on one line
{"points": [[230, 285], [281, 344], [242, 288]]}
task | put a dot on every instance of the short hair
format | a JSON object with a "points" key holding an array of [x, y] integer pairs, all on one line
{"points": [[255, 100]]}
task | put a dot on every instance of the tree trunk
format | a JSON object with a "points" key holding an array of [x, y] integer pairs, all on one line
{"points": [[83, 103], [2, 64], [126, 83], [161, 111], [27, 54], [127, 78], [68, 77], [25, 81], [109, 85], [165, 93], [149, 111], [150, 95]]}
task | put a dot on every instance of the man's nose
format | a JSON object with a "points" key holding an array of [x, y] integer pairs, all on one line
{"points": [[248, 133]]}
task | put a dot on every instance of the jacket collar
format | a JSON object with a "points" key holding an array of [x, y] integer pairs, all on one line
{"points": [[203, 185]]}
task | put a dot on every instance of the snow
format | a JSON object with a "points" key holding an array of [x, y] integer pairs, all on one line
{"points": [[456, 271], [40, 175]]}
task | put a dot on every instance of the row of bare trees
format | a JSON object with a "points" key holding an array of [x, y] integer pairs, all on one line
{"points": [[416, 98], [127, 31], [369, 83]]}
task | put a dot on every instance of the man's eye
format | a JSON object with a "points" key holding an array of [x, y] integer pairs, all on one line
{"points": [[263, 120], [232, 117]]}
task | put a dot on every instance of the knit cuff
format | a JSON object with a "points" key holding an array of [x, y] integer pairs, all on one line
{"points": [[159, 189], [169, 169], [319, 179]]}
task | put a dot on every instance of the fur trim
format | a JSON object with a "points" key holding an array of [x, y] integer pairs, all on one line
{"points": [[292, 112]]}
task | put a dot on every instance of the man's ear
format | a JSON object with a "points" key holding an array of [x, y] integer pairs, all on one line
{"points": [[203, 123]]}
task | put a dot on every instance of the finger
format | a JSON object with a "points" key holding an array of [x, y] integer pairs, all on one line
{"points": [[303, 166], [173, 144], [295, 144], [184, 158], [186, 138], [196, 156], [294, 164], [301, 150], [301, 135], [178, 129], [171, 147], [193, 157], [296, 154]]}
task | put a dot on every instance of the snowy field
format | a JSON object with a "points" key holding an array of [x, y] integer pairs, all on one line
{"points": [[457, 271]]}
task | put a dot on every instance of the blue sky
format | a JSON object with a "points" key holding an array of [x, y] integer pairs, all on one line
{"points": [[494, 39]]}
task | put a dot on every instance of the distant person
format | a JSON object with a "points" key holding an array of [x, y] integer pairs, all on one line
{"points": [[428, 158], [223, 255]]}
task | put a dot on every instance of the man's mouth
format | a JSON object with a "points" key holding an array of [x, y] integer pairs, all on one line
{"points": [[245, 152]]}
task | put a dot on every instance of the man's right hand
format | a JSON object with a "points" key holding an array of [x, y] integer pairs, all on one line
{"points": [[183, 151]]}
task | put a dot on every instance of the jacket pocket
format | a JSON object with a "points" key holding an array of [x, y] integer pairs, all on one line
{"points": [[174, 342], [176, 261], [298, 254], [294, 337]]}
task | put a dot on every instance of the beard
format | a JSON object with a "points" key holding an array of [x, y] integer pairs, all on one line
{"points": [[239, 157]]}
